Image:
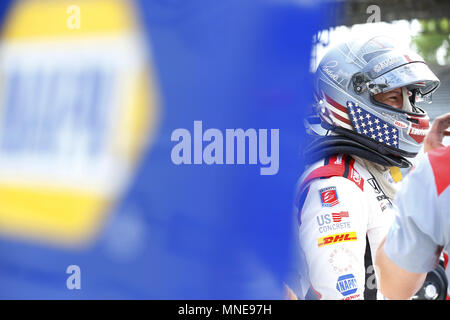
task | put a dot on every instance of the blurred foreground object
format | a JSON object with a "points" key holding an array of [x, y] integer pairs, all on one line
{"points": [[77, 107], [87, 184]]}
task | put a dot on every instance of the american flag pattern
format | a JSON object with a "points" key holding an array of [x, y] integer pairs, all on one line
{"points": [[338, 113], [337, 216], [371, 126]]}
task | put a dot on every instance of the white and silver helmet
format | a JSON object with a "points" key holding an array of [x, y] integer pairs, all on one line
{"points": [[349, 76]]}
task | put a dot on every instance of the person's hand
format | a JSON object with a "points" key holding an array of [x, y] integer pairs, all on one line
{"points": [[437, 133]]}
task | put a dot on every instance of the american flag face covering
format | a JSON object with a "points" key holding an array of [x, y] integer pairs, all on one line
{"points": [[371, 126]]}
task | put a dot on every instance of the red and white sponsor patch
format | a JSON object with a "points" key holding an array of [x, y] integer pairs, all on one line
{"points": [[417, 134], [337, 216], [400, 124], [418, 130], [342, 260], [356, 177], [329, 197], [352, 297]]}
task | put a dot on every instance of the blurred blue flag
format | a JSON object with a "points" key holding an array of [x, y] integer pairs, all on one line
{"points": [[187, 231]]}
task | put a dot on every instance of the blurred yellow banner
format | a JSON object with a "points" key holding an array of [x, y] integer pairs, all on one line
{"points": [[77, 106]]}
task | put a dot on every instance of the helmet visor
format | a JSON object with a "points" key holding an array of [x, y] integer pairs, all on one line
{"points": [[415, 75]]}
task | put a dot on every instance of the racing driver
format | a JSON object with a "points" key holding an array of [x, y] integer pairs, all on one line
{"points": [[365, 124]]}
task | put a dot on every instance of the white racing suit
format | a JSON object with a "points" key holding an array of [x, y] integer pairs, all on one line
{"points": [[338, 204]]}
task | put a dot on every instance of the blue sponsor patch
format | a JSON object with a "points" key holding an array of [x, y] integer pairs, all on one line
{"points": [[346, 284]]}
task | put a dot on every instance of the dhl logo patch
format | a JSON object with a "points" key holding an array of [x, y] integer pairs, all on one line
{"points": [[336, 238]]}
